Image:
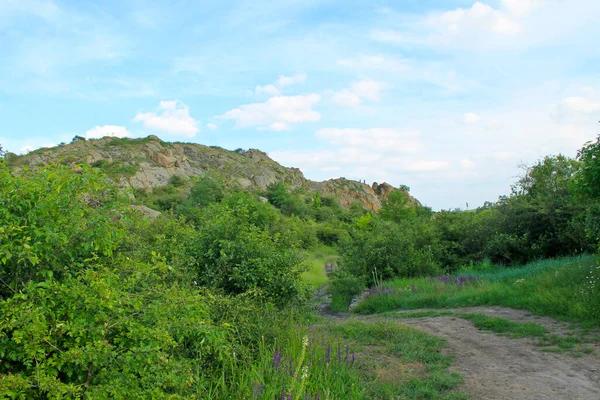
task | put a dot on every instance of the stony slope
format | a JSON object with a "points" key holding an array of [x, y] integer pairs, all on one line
{"points": [[149, 162]]}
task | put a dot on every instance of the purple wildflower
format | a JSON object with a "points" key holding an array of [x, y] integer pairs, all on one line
{"points": [[346, 358], [257, 388], [276, 359]]}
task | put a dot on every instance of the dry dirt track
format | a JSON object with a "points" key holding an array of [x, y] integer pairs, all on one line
{"points": [[499, 368]]}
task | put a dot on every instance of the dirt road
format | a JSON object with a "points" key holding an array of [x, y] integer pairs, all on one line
{"points": [[499, 368]]}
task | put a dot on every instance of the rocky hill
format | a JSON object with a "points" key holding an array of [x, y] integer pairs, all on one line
{"points": [[149, 163]]}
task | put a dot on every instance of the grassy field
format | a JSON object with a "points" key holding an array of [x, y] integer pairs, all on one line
{"points": [[566, 289], [316, 259]]}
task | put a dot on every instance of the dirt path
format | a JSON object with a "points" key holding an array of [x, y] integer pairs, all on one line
{"points": [[498, 368]]}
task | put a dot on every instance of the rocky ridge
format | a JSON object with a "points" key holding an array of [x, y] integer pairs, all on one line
{"points": [[148, 163]]}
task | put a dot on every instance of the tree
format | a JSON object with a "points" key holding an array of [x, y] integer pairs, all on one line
{"points": [[588, 178], [397, 207]]}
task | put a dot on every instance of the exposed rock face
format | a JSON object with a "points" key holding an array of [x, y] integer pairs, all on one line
{"points": [[149, 162], [146, 212]]}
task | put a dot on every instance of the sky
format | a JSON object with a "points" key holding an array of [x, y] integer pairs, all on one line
{"points": [[448, 97]]}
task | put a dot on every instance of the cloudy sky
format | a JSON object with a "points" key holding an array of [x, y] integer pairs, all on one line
{"points": [[445, 96]]}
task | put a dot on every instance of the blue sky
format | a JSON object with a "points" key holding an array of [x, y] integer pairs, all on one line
{"points": [[445, 96]]}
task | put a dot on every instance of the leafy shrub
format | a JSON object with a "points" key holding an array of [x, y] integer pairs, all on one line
{"points": [[108, 333], [231, 252], [389, 250], [52, 220], [177, 181]]}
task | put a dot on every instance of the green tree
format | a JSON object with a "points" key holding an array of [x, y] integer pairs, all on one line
{"points": [[588, 178], [397, 207]]}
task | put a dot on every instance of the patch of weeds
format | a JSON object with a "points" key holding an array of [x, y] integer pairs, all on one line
{"points": [[400, 362], [504, 326], [549, 342]]}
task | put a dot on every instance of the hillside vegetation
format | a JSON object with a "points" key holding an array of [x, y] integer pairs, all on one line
{"points": [[102, 298]]}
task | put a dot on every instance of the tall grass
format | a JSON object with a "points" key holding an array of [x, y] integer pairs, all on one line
{"points": [[316, 259], [565, 288], [339, 360]]}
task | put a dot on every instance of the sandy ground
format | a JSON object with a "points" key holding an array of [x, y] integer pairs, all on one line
{"points": [[499, 368]]}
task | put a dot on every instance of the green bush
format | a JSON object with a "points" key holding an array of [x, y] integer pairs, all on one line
{"points": [[389, 250], [53, 220], [234, 253], [177, 181], [106, 333]]}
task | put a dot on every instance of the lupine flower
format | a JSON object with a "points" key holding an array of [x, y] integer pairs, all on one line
{"points": [[257, 388], [276, 359], [346, 358]]}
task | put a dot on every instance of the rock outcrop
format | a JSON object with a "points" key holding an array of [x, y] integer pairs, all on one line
{"points": [[148, 163]]}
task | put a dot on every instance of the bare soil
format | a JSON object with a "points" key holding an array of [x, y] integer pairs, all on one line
{"points": [[498, 368]]}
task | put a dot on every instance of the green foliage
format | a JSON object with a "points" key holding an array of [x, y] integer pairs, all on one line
{"points": [[177, 181], [410, 347], [78, 138], [397, 208], [107, 333], [562, 288], [343, 288], [52, 220], [389, 250], [289, 203], [233, 252], [588, 178], [114, 170], [206, 191]]}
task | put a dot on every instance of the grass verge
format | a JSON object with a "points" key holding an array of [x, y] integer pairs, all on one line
{"points": [[565, 289], [341, 360], [549, 342]]}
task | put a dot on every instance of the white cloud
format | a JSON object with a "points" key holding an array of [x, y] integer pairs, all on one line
{"points": [[175, 119], [268, 89], [479, 17], [369, 62], [275, 88], [211, 126], [366, 88], [520, 8], [384, 140], [277, 113], [26, 149], [486, 25], [426, 166], [582, 105], [471, 118], [107, 130], [345, 98], [291, 80], [466, 163], [577, 109]]}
